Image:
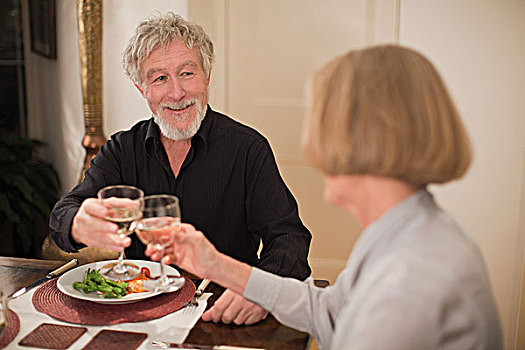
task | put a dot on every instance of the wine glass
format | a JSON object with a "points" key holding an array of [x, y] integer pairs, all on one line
{"points": [[160, 215], [3, 313], [123, 203]]}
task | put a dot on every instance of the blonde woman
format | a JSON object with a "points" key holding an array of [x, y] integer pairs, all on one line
{"points": [[381, 128]]}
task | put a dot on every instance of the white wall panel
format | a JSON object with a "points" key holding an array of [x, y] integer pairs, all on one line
{"points": [[478, 46], [273, 48]]}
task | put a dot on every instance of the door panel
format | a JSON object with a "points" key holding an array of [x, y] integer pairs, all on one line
{"points": [[271, 48]]}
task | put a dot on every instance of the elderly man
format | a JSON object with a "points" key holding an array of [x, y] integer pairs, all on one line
{"points": [[223, 172]]}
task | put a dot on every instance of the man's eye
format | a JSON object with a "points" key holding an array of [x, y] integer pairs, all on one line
{"points": [[160, 78], [186, 74]]}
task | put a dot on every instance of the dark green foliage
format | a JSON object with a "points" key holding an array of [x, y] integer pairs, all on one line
{"points": [[28, 188]]}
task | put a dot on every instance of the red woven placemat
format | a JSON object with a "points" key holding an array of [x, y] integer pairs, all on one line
{"points": [[51, 301], [13, 327]]}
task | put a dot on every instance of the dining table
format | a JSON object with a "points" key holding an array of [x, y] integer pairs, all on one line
{"points": [[269, 333]]}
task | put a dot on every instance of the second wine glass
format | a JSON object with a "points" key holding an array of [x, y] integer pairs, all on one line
{"points": [[160, 216]]}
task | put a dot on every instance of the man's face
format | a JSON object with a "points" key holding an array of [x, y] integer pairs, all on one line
{"points": [[176, 87]]}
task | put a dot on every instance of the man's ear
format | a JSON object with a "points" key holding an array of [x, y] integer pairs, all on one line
{"points": [[209, 76], [138, 87]]}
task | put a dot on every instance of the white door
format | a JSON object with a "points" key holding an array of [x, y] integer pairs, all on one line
{"points": [[266, 51]]}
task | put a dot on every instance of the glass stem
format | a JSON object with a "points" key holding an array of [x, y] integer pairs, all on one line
{"points": [[164, 280], [120, 267], [163, 277], [121, 258]]}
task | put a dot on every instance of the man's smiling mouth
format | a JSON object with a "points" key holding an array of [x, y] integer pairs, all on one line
{"points": [[178, 107]]}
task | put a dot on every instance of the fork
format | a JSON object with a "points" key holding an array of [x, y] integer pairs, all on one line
{"points": [[198, 293]]}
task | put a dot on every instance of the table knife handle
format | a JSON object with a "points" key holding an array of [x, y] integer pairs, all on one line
{"points": [[65, 267]]}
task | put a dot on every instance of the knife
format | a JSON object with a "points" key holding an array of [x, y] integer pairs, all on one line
{"points": [[49, 276], [166, 345]]}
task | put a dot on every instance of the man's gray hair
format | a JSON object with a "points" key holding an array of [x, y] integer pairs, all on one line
{"points": [[159, 31]]}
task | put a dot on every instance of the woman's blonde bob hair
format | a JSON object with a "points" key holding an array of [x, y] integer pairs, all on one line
{"points": [[160, 31], [385, 111]]}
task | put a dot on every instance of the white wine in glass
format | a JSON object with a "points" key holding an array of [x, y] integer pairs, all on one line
{"points": [[160, 216], [124, 209]]}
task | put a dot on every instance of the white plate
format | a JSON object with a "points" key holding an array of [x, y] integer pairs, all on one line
{"points": [[65, 282]]}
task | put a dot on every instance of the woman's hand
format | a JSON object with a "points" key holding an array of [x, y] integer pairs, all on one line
{"points": [[190, 251]]}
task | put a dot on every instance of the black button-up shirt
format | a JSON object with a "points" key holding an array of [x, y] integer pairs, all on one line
{"points": [[229, 187]]}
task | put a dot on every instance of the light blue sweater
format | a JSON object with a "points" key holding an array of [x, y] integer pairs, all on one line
{"points": [[414, 280]]}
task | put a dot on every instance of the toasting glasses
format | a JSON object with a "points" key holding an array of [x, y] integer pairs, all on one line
{"points": [[160, 215], [123, 203]]}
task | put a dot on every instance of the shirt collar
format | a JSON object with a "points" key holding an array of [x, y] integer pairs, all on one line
{"points": [[153, 132], [204, 131]]}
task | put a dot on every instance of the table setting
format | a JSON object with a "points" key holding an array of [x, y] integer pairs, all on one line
{"points": [[123, 303], [110, 302], [161, 316], [169, 330]]}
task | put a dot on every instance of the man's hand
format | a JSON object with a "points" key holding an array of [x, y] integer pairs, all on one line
{"points": [[90, 228], [232, 307]]}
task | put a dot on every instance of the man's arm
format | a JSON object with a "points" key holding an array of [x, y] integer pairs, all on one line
{"points": [[61, 220], [103, 171], [272, 213]]}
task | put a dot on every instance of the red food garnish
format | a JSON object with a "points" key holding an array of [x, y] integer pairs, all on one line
{"points": [[135, 285], [146, 272]]}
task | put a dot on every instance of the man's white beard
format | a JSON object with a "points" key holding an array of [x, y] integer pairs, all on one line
{"points": [[175, 134]]}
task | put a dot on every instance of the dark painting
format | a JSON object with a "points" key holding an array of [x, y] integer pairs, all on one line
{"points": [[43, 27]]}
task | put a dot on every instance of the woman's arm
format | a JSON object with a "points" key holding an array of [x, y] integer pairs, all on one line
{"points": [[192, 251], [297, 304]]}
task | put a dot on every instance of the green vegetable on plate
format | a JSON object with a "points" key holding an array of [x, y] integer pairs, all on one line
{"points": [[94, 282]]}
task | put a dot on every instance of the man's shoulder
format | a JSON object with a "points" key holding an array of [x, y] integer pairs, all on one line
{"points": [[226, 124], [140, 129]]}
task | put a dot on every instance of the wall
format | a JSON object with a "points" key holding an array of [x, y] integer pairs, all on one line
{"points": [[479, 48], [54, 102], [53, 86]]}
